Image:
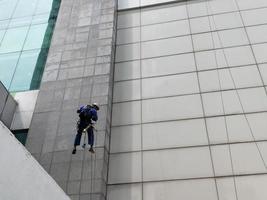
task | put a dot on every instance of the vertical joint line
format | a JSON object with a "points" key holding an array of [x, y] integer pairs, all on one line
{"points": [[202, 103]]}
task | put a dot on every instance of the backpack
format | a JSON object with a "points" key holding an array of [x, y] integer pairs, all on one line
{"points": [[83, 112]]}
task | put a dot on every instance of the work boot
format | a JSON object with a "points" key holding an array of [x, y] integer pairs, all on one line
{"points": [[74, 151], [91, 150]]}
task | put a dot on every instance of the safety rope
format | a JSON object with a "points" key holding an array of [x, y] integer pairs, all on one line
{"points": [[235, 87], [93, 177]]}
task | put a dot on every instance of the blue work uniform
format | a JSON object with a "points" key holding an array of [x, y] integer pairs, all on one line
{"points": [[86, 114]]}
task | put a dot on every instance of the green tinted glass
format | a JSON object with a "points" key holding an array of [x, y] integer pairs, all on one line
{"points": [[26, 28], [14, 39], [22, 21], [21, 135], [35, 37], [4, 24], [7, 7], [7, 67], [2, 33], [44, 6], [25, 8], [40, 19], [24, 71]]}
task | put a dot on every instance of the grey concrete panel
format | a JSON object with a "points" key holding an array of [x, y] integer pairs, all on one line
{"points": [[46, 158], [75, 171], [74, 197], [61, 156], [79, 70], [8, 111], [73, 187], [60, 171], [34, 145], [3, 97]]}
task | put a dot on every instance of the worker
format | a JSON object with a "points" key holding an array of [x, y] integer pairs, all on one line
{"points": [[88, 116]]}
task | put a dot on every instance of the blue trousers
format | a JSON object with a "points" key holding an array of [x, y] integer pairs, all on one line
{"points": [[90, 133]]}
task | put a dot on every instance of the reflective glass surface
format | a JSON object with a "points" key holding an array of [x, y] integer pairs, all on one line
{"points": [[7, 67], [24, 70], [21, 135], [26, 28], [13, 39]]}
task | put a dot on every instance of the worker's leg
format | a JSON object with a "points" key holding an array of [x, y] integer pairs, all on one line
{"points": [[90, 132], [78, 136]]}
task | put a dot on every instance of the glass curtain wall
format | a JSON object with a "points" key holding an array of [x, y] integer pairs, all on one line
{"points": [[25, 32], [190, 101]]}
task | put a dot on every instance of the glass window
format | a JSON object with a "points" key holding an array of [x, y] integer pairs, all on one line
{"points": [[39, 19], [44, 6], [21, 135], [25, 8], [35, 37], [7, 7], [38, 71], [13, 40], [22, 21], [24, 72], [2, 33], [4, 24], [7, 67], [25, 25]]}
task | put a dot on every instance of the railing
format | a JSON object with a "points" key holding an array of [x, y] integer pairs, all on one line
{"points": [[7, 106]]}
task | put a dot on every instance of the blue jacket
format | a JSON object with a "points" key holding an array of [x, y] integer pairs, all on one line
{"points": [[87, 114]]}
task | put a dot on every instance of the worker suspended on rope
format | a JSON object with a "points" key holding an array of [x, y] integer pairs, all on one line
{"points": [[88, 116]]}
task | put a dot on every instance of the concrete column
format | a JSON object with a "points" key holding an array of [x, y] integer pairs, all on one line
{"points": [[79, 70]]}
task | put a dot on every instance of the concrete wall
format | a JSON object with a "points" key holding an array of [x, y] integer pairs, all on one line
{"points": [[24, 111], [190, 102], [21, 176], [7, 106], [79, 70]]}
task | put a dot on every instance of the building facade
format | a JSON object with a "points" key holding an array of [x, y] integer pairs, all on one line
{"points": [[25, 32], [189, 104], [182, 93]]}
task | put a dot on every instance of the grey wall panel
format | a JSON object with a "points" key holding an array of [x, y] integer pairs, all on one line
{"points": [[3, 97], [7, 106], [78, 71], [9, 110]]}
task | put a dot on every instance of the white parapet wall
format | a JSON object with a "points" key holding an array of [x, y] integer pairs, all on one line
{"points": [[21, 176]]}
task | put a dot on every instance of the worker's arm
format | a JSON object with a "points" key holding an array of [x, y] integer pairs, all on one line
{"points": [[93, 113]]}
